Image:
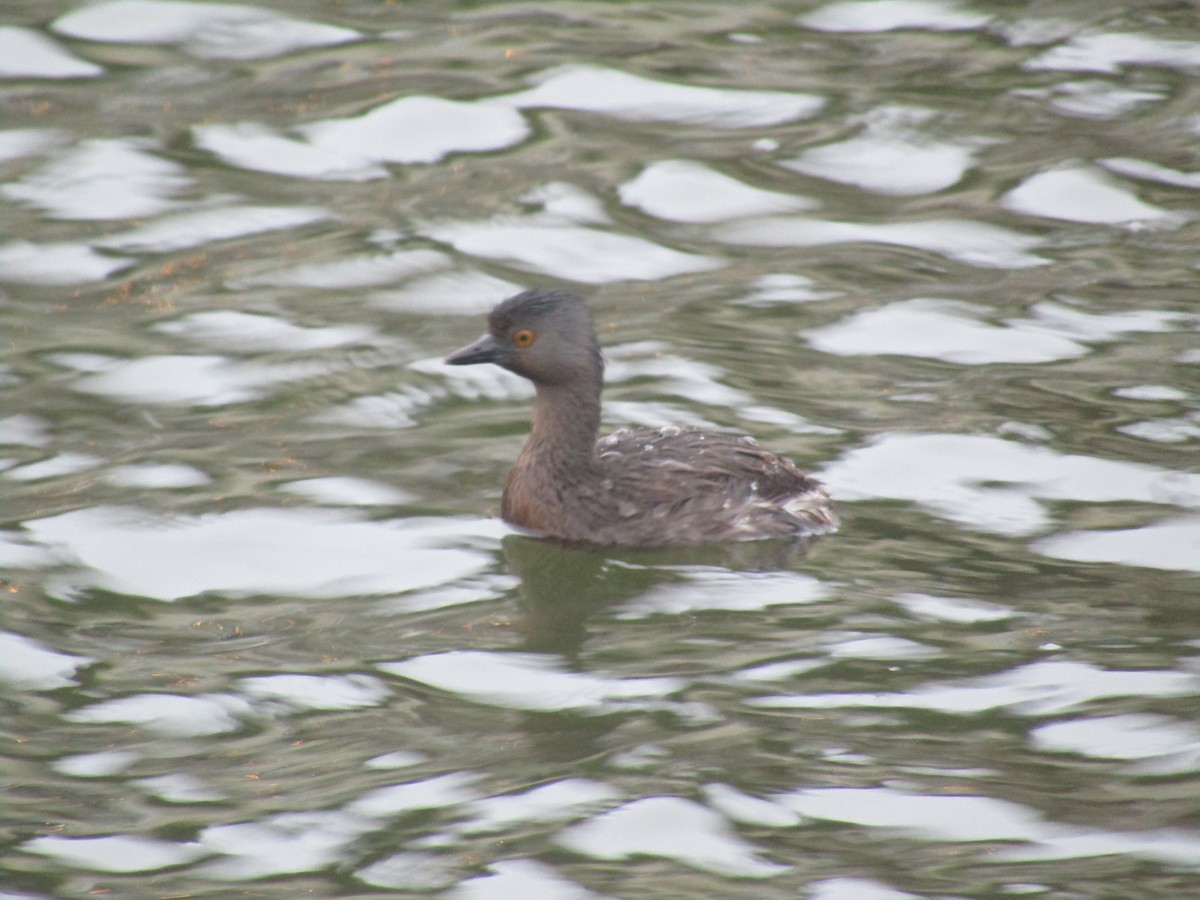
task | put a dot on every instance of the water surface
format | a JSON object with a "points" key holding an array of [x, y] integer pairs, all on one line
{"points": [[262, 631]]}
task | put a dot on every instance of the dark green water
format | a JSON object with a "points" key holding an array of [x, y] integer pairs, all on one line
{"points": [[261, 634]]}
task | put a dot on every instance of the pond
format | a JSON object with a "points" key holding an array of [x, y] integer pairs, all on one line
{"points": [[263, 632]]}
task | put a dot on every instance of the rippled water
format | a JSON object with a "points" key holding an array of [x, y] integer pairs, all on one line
{"points": [[261, 632]]}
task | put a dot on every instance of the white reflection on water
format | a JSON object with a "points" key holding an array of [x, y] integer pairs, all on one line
{"points": [[431, 793], [571, 202], [1151, 392], [962, 818], [1109, 52], [395, 409], [995, 485], [25, 262], [207, 30], [721, 589], [984, 819], [284, 844], [1159, 744], [629, 96], [18, 553], [952, 331], [408, 130], [698, 382], [672, 828], [675, 374], [300, 692], [250, 145], [886, 164], [18, 142], [62, 464], [206, 226], [451, 293], [349, 271], [560, 800], [115, 853], [23, 428], [747, 810], [396, 759], [959, 610], [421, 130], [196, 229], [150, 475], [892, 156], [683, 191], [1172, 430], [347, 491], [549, 245], [948, 330], [179, 787], [27, 665], [169, 714], [1082, 194], [930, 817], [856, 889], [238, 332], [1040, 688], [892, 15], [413, 870], [1148, 171], [96, 765], [881, 646], [1172, 545], [970, 242], [181, 380], [297, 552], [782, 670], [520, 878], [1171, 846], [530, 681], [1088, 326], [25, 53], [784, 287], [117, 178], [1089, 98]]}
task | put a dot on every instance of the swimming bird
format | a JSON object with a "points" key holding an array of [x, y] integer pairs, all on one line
{"points": [[641, 487]]}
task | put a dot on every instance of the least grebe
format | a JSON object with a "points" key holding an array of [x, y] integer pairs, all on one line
{"points": [[635, 488]]}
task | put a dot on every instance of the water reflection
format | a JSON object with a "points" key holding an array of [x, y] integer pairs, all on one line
{"points": [[859, 16], [998, 485], [973, 243], [301, 552], [669, 827], [891, 157], [1083, 195], [257, 630], [408, 130], [212, 30], [24, 665], [562, 586], [1159, 545], [628, 96]]}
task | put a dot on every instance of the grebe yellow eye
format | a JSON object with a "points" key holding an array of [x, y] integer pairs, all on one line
{"points": [[523, 338]]}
